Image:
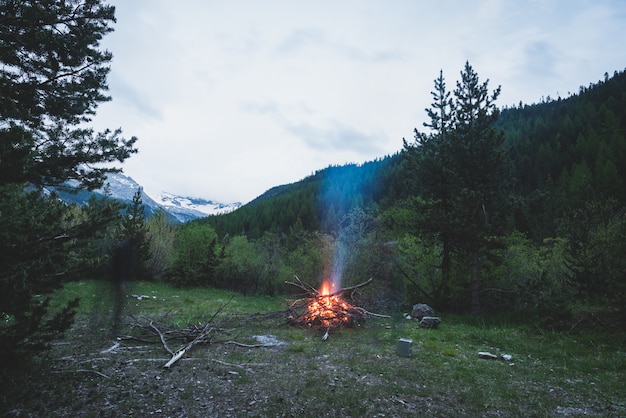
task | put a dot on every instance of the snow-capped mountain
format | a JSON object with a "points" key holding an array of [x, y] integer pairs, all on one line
{"points": [[187, 208], [121, 187]]}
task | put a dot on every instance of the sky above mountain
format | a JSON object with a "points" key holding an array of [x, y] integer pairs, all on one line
{"points": [[231, 98]]}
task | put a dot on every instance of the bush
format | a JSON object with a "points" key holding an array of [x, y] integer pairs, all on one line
{"points": [[241, 266], [161, 235], [420, 265], [195, 256], [601, 263], [529, 277]]}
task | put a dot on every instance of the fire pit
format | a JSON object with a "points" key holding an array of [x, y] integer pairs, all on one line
{"points": [[326, 309]]}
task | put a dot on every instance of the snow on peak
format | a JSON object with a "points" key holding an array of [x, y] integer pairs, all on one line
{"points": [[123, 188], [177, 203]]}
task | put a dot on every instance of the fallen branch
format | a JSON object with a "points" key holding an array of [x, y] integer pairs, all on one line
{"points": [[375, 314], [229, 364], [81, 371], [312, 291], [249, 345], [151, 332], [161, 337], [325, 337], [177, 356], [245, 366], [203, 337], [298, 283], [111, 349]]}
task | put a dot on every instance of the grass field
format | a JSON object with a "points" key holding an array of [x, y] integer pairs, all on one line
{"points": [[356, 372]]}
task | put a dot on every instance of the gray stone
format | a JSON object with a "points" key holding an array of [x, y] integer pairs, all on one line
{"points": [[268, 340], [421, 310], [430, 322], [404, 348]]}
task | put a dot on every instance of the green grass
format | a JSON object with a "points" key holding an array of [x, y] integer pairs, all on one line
{"points": [[355, 373], [182, 303]]}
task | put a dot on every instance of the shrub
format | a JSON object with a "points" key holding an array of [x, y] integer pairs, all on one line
{"points": [[195, 256], [530, 277]]}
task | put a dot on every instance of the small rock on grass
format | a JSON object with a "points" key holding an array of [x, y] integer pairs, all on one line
{"points": [[430, 322]]}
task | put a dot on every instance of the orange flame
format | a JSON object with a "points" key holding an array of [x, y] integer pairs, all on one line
{"points": [[325, 290], [327, 310]]}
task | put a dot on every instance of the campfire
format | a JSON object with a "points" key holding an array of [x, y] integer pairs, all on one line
{"points": [[326, 309]]}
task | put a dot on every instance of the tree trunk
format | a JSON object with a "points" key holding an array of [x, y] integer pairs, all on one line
{"points": [[446, 267], [475, 285]]}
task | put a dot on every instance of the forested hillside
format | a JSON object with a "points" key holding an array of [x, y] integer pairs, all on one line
{"points": [[318, 202], [562, 228], [568, 151], [557, 138]]}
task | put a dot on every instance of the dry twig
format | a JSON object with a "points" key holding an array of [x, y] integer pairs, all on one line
{"points": [[82, 371], [192, 335]]}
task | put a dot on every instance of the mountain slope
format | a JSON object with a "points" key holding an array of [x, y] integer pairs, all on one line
{"points": [[317, 202], [121, 187], [188, 208]]}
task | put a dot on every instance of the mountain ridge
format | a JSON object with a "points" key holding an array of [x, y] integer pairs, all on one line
{"points": [[121, 187]]}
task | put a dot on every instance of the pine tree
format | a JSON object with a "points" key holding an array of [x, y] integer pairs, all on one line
{"points": [[133, 233], [461, 173], [483, 168], [52, 78], [134, 220], [429, 161]]}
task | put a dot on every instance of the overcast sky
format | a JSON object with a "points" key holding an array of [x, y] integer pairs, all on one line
{"points": [[230, 98]]}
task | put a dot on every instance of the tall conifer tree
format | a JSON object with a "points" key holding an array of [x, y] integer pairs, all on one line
{"points": [[429, 161], [52, 78], [461, 173], [483, 168]]}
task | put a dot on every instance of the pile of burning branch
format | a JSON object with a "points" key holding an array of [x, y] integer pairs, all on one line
{"points": [[326, 309]]}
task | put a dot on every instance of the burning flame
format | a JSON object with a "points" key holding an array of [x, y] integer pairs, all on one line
{"points": [[329, 311], [325, 290]]}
